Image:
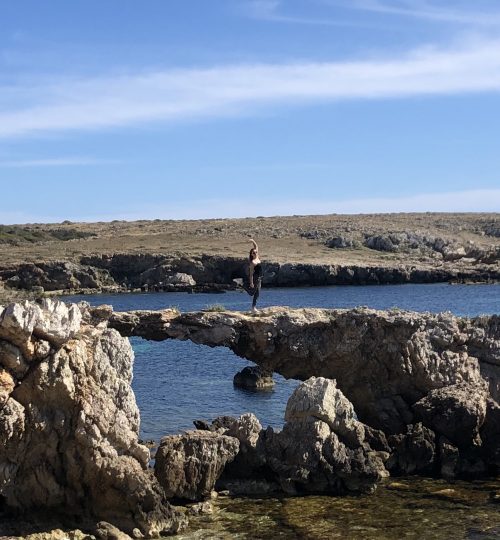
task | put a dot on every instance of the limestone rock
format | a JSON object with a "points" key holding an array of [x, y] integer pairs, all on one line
{"points": [[254, 378], [321, 447], [320, 398], [384, 362], [53, 321], [58, 322], [449, 459], [18, 321], [490, 434], [180, 278], [189, 465], [12, 359], [456, 411], [69, 429], [106, 531], [381, 243], [340, 242], [6, 386], [250, 462], [413, 452]]}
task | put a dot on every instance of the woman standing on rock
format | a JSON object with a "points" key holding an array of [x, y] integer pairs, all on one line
{"points": [[254, 274]]}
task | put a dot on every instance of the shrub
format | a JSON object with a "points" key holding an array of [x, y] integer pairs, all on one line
{"points": [[215, 307]]}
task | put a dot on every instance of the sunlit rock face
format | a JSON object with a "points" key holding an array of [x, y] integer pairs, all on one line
{"points": [[398, 368], [69, 421]]}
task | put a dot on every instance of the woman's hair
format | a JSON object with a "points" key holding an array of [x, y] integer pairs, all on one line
{"points": [[253, 252]]}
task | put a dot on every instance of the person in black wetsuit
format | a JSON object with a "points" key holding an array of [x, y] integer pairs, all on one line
{"points": [[254, 274]]}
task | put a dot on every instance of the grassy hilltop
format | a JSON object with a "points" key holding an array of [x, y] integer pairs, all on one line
{"points": [[386, 239]]}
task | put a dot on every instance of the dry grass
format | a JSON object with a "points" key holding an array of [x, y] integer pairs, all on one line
{"points": [[280, 238]]}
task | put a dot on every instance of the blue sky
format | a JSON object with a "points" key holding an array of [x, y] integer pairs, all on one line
{"points": [[227, 108]]}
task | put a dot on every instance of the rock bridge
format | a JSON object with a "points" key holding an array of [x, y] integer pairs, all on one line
{"points": [[425, 388], [384, 361]]}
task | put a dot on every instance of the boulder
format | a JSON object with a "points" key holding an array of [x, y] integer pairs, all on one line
{"points": [[381, 243], [321, 448], [11, 358], [7, 385], [254, 378], [180, 278], [250, 462], [339, 242], [414, 452], [53, 321], [457, 412], [189, 465]]}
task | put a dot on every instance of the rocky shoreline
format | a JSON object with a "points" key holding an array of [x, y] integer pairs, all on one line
{"points": [[144, 272], [384, 393]]}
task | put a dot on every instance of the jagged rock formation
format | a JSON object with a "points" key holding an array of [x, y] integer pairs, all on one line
{"points": [[69, 421], [397, 368], [425, 388], [188, 465], [322, 448]]}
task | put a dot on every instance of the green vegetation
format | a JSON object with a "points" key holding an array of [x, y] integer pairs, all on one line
{"points": [[215, 307], [15, 235]]}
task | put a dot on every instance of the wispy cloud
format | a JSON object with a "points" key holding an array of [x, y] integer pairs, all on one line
{"points": [[272, 11], [55, 162], [176, 95], [474, 14], [479, 200]]}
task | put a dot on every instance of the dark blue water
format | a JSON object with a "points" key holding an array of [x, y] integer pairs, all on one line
{"points": [[176, 382]]}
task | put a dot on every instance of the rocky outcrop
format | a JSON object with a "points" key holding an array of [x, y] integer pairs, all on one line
{"points": [[442, 260], [322, 448], [56, 276], [188, 465], [69, 421], [254, 378], [413, 452], [396, 367]]}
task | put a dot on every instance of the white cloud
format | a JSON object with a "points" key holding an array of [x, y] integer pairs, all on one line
{"points": [[478, 200], [271, 11], [422, 9], [176, 95], [54, 162]]}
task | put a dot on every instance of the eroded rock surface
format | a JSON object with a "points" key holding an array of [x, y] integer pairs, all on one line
{"points": [[254, 378], [396, 367], [69, 421], [189, 465], [322, 448]]}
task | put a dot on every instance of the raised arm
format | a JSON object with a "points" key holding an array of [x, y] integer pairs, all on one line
{"points": [[255, 246]]}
